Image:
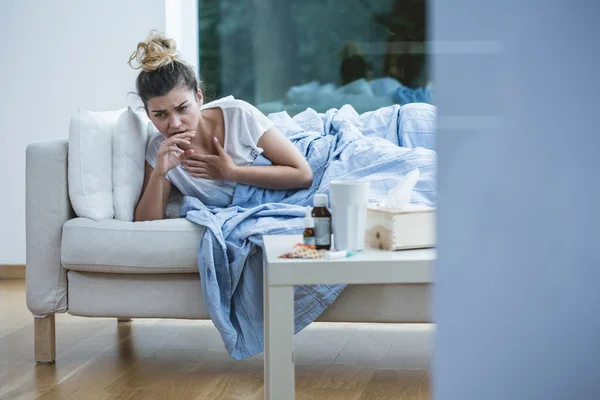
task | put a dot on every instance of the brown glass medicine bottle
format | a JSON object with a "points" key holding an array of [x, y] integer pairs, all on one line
{"points": [[308, 236], [322, 218]]}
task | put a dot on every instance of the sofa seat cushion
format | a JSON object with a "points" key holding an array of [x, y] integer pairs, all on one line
{"points": [[113, 246]]}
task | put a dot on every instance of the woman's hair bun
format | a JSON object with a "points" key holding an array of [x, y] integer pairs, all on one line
{"points": [[157, 51], [350, 49]]}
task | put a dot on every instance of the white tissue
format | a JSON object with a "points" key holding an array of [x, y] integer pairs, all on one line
{"points": [[399, 197]]}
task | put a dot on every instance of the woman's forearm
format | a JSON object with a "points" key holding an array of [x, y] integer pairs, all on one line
{"points": [[273, 177], [152, 204]]}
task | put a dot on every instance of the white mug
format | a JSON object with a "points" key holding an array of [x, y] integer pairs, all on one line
{"points": [[349, 201]]}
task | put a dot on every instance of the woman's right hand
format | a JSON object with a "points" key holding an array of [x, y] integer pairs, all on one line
{"points": [[169, 155]]}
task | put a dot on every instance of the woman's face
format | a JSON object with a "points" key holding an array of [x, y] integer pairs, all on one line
{"points": [[176, 112]]}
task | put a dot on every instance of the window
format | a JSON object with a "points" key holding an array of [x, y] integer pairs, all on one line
{"points": [[294, 54]]}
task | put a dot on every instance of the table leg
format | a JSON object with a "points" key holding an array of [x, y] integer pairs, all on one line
{"points": [[279, 341]]}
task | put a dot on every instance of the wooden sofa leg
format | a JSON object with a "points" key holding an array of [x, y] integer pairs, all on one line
{"points": [[124, 319], [45, 340]]}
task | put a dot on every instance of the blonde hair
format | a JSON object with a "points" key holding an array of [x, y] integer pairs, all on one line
{"points": [[162, 69], [350, 49], [154, 53]]}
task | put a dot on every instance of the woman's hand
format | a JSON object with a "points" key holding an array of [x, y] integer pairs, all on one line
{"points": [[219, 167], [169, 155], [290, 170]]}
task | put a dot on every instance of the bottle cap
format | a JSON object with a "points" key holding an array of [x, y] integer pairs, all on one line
{"points": [[320, 200], [309, 222]]}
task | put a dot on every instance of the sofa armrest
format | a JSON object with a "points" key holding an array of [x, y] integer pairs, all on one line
{"points": [[47, 209]]}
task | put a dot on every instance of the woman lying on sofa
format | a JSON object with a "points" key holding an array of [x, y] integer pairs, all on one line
{"points": [[228, 155], [205, 150]]}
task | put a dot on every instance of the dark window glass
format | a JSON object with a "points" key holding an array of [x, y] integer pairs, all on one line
{"points": [[294, 54]]}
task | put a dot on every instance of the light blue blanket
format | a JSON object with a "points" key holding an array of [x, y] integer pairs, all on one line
{"points": [[381, 146]]}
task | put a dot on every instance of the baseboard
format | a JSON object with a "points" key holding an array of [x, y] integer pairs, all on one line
{"points": [[12, 271]]}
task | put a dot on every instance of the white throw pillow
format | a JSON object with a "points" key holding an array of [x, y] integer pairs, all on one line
{"points": [[90, 163], [128, 158]]}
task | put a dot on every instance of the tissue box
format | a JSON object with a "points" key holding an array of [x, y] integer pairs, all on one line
{"points": [[412, 227]]}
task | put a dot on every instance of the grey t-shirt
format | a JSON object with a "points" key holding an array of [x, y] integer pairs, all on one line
{"points": [[244, 126]]}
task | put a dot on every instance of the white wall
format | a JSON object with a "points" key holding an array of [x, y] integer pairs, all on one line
{"points": [[57, 56], [182, 25], [517, 290]]}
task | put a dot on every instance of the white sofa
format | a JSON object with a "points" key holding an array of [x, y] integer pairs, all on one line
{"points": [[129, 270]]}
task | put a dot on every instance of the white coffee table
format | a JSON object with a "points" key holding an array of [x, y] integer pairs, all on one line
{"points": [[372, 266]]}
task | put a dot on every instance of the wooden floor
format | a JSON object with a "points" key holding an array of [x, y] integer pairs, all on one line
{"points": [[175, 359]]}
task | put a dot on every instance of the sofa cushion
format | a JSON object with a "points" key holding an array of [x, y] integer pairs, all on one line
{"points": [[113, 246], [90, 163], [129, 143]]}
